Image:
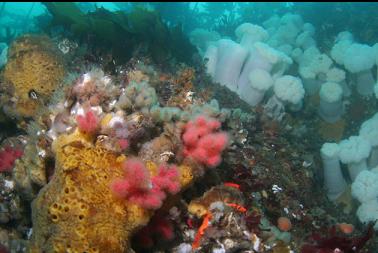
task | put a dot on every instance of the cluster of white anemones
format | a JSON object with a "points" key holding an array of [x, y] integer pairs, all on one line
{"points": [[254, 63], [360, 153]]}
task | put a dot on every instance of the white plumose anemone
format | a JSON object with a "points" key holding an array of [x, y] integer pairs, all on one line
{"points": [[359, 59], [368, 212], [287, 90], [338, 50], [259, 82], [262, 56], [338, 76], [313, 67], [369, 131], [310, 83], [365, 187], [248, 34], [331, 105], [354, 152]]}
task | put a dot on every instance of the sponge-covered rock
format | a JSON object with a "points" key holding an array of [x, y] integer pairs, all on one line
{"points": [[77, 211]]}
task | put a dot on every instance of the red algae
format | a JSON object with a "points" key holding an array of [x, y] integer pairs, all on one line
{"points": [[332, 242]]}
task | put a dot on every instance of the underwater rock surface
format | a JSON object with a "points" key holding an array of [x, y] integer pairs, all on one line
{"points": [[188, 127]]}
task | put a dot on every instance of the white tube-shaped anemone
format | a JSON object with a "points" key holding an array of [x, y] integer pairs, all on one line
{"points": [[231, 57], [310, 83], [211, 58], [259, 82], [369, 131], [331, 105], [334, 181], [354, 152], [254, 60], [337, 75]]}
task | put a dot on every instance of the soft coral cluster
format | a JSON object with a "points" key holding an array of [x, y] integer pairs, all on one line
{"points": [[139, 188], [7, 157], [203, 142]]}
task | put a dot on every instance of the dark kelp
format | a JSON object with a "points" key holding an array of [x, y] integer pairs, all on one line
{"points": [[121, 33]]}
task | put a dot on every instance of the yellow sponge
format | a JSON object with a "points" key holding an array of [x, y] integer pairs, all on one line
{"points": [[77, 212], [34, 70]]}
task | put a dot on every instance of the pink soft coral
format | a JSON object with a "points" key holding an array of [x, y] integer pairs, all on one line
{"points": [[138, 188], [167, 179], [136, 181], [88, 123], [123, 144], [7, 157], [203, 143]]}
